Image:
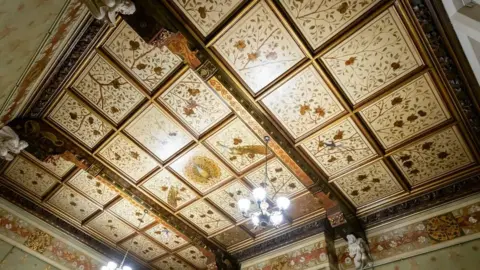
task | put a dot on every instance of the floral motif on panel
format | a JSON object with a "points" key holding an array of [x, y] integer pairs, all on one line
{"points": [[406, 112], [233, 236], [375, 56], [92, 187], [170, 190], [58, 166], [321, 20], [72, 203], [80, 121], [207, 14], [149, 64], [237, 145], [194, 103], [313, 255], [368, 184], [226, 198], [433, 156], [172, 263], [128, 157], [194, 256], [303, 103], [107, 90], [30, 176], [259, 48], [339, 148], [205, 217], [201, 169], [111, 227], [158, 133], [281, 182], [167, 236], [131, 213], [144, 248]]}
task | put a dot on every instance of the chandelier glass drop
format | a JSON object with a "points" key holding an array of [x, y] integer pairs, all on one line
{"points": [[266, 216], [111, 265]]}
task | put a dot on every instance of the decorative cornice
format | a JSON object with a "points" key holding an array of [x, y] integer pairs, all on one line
{"points": [[294, 235], [443, 195], [71, 59], [454, 65]]}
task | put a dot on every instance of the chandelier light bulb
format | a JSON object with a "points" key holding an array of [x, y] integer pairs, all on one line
{"points": [[283, 203], [127, 268], [259, 194], [112, 265], [104, 268], [243, 204], [276, 218], [255, 220]]}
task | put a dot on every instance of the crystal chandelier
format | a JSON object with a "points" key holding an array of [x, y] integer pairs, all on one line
{"points": [[265, 216], [113, 265]]}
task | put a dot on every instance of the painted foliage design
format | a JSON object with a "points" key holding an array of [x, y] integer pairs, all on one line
{"points": [[158, 133], [194, 102], [72, 203], [128, 157], [281, 182], [144, 247], [369, 183], [93, 188], [304, 205], [303, 103], [107, 90], [431, 157], [226, 198], [338, 148], [321, 20], [57, 165], [237, 145], [167, 236], [259, 48], [110, 226], [194, 256], [406, 112], [419, 235], [171, 262], [80, 121], [169, 189], [301, 258], [372, 58], [201, 169], [206, 217], [149, 64], [132, 214], [207, 14], [232, 236], [28, 175]]}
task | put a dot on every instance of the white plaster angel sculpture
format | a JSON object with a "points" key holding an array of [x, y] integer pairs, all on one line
{"points": [[107, 9], [10, 143], [358, 250]]}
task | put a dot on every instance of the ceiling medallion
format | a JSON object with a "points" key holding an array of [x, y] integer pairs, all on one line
{"points": [[266, 216]]}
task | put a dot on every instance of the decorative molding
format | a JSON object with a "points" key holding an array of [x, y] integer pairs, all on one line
{"points": [[64, 68], [294, 235], [445, 194], [440, 39]]}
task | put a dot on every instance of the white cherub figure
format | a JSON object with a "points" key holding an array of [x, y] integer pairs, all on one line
{"points": [[358, 250], [108, 9], [10, 143]]}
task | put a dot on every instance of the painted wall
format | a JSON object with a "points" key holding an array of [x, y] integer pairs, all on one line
{"points": [[415, 240], [13, 258], [310, 253], [45, 245]]}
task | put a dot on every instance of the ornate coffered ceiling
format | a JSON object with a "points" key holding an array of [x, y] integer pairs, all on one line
{"points": [[360, 107]]}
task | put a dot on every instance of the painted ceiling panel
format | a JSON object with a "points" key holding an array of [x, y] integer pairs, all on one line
{"points": [[259, 48], [110, 226], [91, 187], [72, 203]]}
